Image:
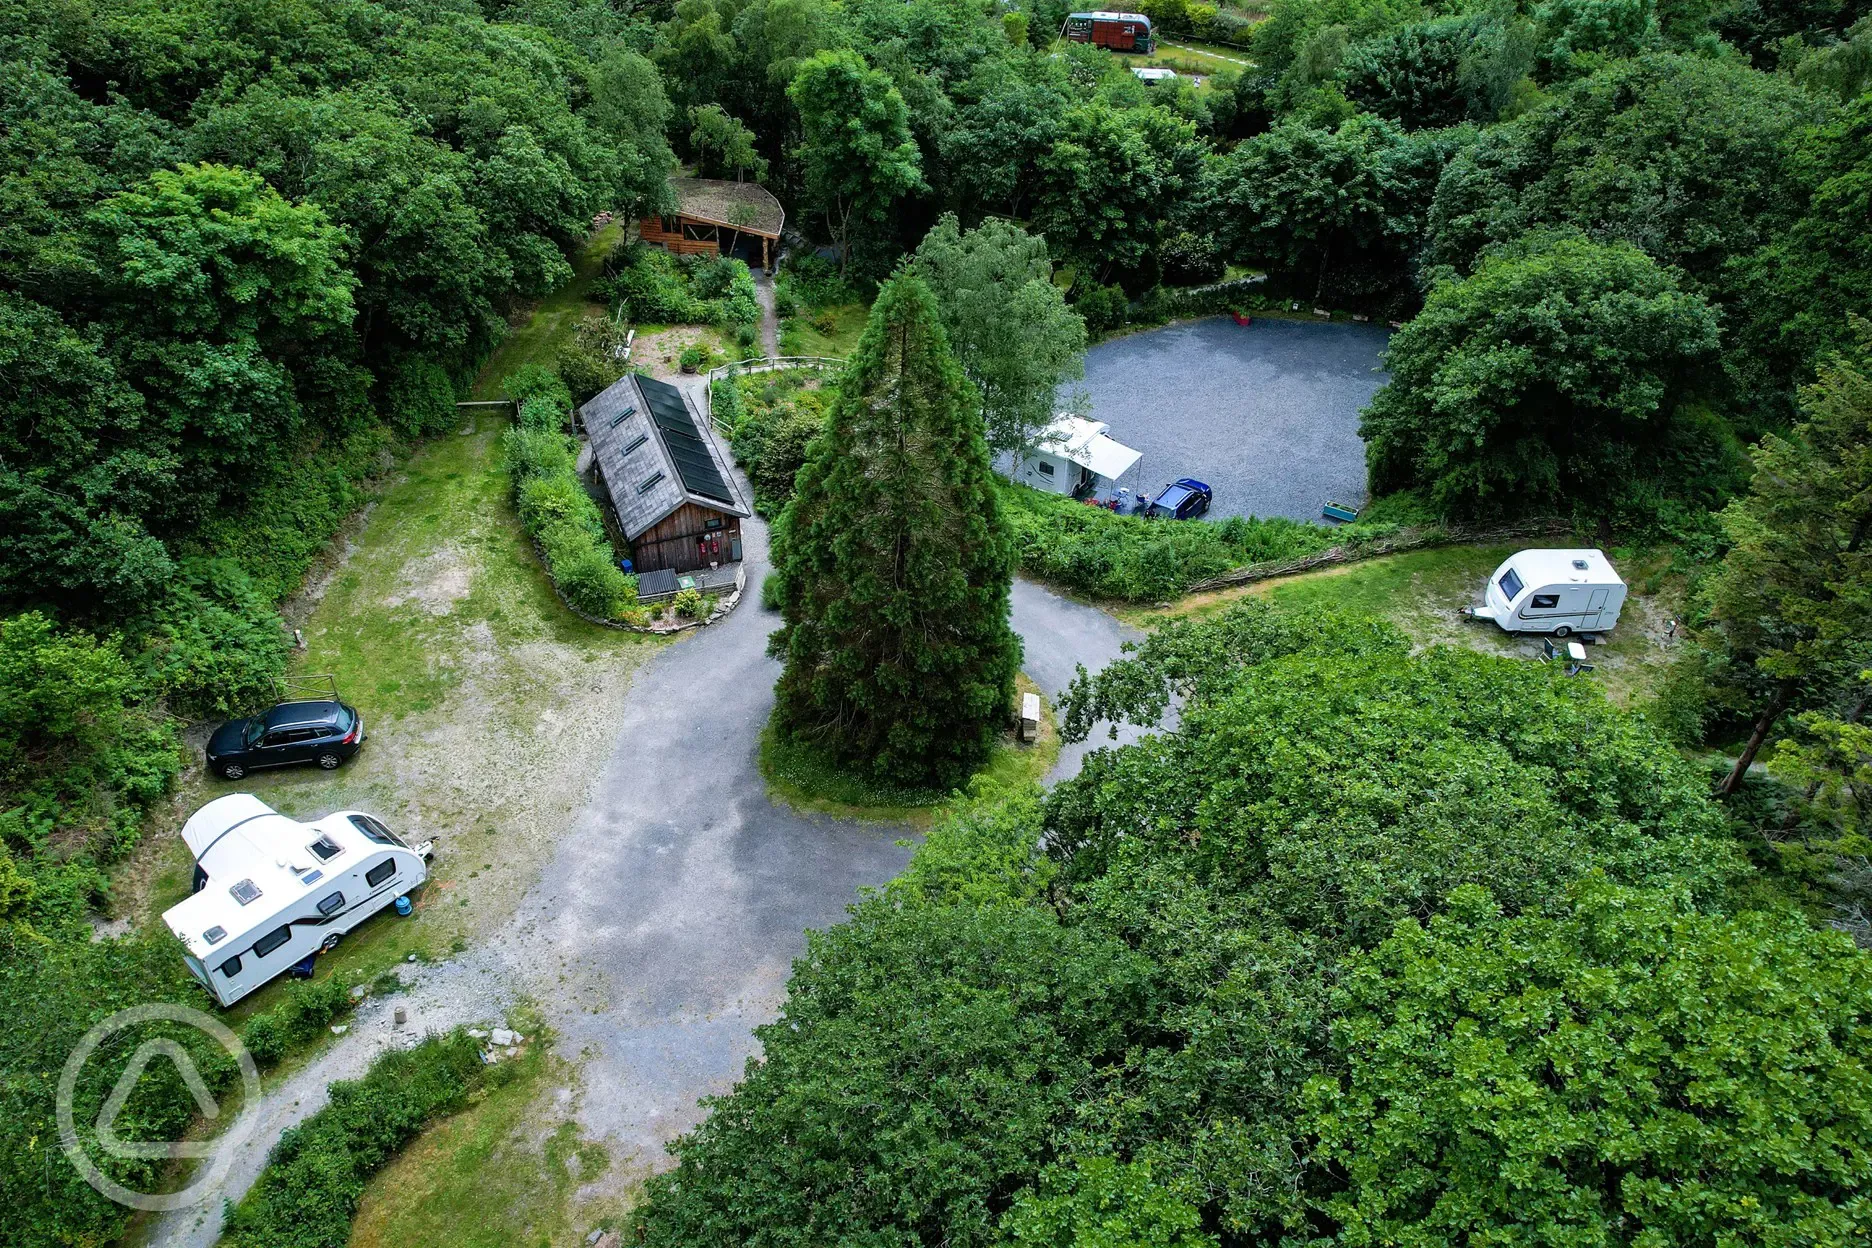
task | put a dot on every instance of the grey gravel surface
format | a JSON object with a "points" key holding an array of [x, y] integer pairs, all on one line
{"points": [[663, 929], [1266, 413]]}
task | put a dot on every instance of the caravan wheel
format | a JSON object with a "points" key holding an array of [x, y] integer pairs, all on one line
{"points": [[330, 942], [1563, 631]]}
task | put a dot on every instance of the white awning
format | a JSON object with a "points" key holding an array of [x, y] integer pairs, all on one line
{"points": [[1084, 442], [1106, 458]]}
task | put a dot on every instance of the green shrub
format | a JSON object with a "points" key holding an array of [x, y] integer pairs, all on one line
{"points": [[591, 582], [1103, 307], [542, 412], [536, 381], [687, 603], [308, 1193], [537, 453], [264, 1038], [1093, 551], [418, 395], [691, 358]]}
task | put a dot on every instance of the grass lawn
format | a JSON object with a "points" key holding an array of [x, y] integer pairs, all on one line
{"points": [[798, 335], [506, 1171], [1422, 591], [555, 317], [806, 780]]}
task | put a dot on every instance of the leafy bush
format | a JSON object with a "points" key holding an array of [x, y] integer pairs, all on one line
{"points": [[772, 417], [687, 603], [660, 288], [557, 513], [1191, 259], [306, 1196], [1093, 551], [418, 395], [536, 381], [1103, 307]]}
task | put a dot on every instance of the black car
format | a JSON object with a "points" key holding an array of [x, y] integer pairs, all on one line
{"points": [[322, 732], [1183, 499]]}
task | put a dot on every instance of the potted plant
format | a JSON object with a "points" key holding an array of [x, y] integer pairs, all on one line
{"points": [[691, 358]]}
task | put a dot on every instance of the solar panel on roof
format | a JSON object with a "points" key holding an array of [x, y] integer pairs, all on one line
{"points": [[687, 449]]}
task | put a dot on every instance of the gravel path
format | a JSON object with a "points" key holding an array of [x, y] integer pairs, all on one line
{"points": [[664, 927], [769, 316], [1266, 413]]}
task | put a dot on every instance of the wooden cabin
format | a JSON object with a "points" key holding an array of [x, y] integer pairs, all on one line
{"points": [[717, 217], [668, 479]]}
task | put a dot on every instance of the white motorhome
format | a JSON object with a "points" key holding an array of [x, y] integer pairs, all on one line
{"points": [[271, 891], [1075, 456], [1558, 592]]}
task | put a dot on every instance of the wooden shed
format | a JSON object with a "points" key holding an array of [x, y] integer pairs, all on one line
{"points": [[715, 217], [668, 479]]}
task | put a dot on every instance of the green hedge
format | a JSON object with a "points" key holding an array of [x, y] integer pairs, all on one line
{"points": [[655, 286], [558, 514], [1092, 551], [308, 1193]]}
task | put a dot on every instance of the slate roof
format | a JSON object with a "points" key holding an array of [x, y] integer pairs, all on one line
{"points": [[746, 206], [655, 454]]}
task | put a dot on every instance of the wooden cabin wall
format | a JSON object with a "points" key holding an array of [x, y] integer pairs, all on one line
{"points": [[651, 230], [671, 542]]}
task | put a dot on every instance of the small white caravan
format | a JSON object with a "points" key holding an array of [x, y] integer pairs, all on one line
{"points": [[1076, 456], [271, 891], [1558, 592]]}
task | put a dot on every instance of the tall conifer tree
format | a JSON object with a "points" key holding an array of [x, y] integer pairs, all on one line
{"points": [[895, 563]]}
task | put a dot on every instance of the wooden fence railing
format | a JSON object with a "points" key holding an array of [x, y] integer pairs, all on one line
{"points": [[768, 364]]}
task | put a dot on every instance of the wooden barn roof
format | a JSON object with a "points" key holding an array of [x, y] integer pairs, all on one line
{"points": [[655, 454], [745, 206]]}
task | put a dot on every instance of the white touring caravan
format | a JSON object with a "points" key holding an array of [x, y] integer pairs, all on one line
{"points": [[1557, 592], [1074, 456], [271, 891]]}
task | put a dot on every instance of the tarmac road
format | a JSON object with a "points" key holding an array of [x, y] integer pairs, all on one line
{"points": [[664, 928], [1267, 414]]}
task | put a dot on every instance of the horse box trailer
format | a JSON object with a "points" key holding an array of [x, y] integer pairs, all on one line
{"points": [[1121, 32], [1557, 592], [271, 891]]}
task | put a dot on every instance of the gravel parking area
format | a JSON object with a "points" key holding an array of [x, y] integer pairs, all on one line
{"points": [[1266, 413]]}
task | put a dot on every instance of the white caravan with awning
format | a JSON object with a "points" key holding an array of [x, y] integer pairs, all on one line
{"points": [[271, 891], [1557, 592], [1076, 457]]}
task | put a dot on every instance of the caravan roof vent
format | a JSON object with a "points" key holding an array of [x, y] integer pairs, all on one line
{"points": [[214, 934], [245, 891], [1580, 564]]}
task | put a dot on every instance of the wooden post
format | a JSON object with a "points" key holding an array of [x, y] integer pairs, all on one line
{"points": [[764, 262]]}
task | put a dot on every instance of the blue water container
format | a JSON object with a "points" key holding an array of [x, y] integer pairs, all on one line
{"points": [[403, 907]]}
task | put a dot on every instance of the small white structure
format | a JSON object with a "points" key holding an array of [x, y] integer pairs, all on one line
{"points": [[1558, 592], [1153, 73], [271, 891], [1075, 457]]}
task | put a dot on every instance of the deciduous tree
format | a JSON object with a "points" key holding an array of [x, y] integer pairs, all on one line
{"points": [[857, 156], [1009, 324]]}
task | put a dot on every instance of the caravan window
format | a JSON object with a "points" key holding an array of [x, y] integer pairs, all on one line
{"points": [[1545, 602], [272, 940], [1046, 469], [331, 904], [381, 872], [1510, 584], [375, 831], [231, 967]]}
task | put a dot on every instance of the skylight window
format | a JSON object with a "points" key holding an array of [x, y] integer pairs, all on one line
{"points": [[636, 442], [645, 487], [215, 935], [325, 849], [245, 892], [623, 416]]}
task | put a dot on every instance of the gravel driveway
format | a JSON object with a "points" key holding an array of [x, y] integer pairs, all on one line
{"points": [[1266, 413], [663, 929]]}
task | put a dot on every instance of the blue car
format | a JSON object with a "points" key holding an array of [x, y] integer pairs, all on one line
{"points": [[1183, 499]]}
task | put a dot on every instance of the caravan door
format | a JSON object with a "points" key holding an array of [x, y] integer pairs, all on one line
{"points": [[1593, 607]]}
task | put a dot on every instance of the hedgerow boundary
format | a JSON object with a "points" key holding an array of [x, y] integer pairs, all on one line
{"points": [[1415, 538]]}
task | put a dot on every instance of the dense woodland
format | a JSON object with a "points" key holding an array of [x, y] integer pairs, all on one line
{"points": [[1372, 947]]}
